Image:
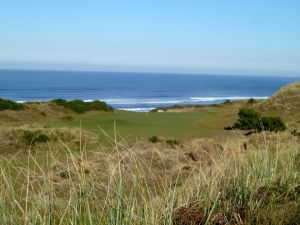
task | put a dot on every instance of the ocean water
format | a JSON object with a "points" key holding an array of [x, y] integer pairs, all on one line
{"points": [[135, 91]]}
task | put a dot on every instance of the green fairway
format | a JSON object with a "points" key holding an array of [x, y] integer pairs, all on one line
{"points": [[136, 125], [102, 129]]}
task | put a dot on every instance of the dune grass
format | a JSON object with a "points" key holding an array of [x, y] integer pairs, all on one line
{"points": [[235, 186]]}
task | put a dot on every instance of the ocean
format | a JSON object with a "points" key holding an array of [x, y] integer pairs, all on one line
{"points": [[135, 91]]}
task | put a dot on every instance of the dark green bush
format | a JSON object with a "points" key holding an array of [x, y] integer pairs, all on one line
{"points": [[43, 114], [249, 119], [8, 104], [80, 106], [33, 137], [172, 142], [61, 102], [67, 118], [227, 101], [251, 101], [296, 132], [273, 123], [153, 139]]}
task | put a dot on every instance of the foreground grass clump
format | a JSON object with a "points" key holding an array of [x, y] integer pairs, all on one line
{"points": [[124, 187], [80, 106], [8, 104]]}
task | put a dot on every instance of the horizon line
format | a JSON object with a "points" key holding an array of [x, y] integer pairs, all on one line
{"points": [[152, 72]]}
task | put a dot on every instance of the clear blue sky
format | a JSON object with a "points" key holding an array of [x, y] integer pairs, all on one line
{"points": [[205, 36]]}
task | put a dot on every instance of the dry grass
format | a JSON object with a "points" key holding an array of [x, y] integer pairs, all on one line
{"points": [[16, 139], [200, 182], [34, 111], [285, 102]]}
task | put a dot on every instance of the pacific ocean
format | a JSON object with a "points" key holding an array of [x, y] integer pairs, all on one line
{"points": [[136, 91]]}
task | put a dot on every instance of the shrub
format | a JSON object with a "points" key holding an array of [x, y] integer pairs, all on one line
{"points": [[61, 102], [67, 118], [251, 101], [43, 114], [80, 106], [99, 105], [296, 132], [33, 137], [153, 139], [8, 104], [172, 142], [249, 119], [227, 101], [273, 123]]}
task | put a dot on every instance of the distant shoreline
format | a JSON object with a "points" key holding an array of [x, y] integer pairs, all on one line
{"points": [[149, 109]]}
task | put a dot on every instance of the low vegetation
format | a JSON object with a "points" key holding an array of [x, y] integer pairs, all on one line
{"points": [[153, 139], [252, 101], [80, 106], [144, 185], [8, 104], [20, 139], [296, 132], [167, 108], [33, 137], [249, 119], [172, 142], [227, 101]]}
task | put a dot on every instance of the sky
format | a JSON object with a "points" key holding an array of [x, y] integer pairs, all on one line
{"points": [[188, 36]]}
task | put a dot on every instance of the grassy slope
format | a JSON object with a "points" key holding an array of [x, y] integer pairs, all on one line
{"points": [[285, 103]]}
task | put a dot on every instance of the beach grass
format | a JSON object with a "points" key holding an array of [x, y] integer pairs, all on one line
{"points": [[228, 186]]}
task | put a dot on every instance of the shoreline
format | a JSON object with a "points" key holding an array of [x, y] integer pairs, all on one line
{"points": [[144, 105]]}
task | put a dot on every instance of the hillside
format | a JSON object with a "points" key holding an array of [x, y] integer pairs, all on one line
{"points": [[285, 102]]}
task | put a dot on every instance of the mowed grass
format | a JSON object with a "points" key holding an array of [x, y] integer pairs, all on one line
{"points": [[132, 125]]}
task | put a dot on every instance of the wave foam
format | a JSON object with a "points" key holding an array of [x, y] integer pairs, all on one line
{"points": [[211, 99], [177, 101], [137, 101], [137, 109]]}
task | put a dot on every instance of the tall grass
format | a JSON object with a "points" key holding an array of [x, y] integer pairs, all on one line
{"points": [[260, 186]]}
